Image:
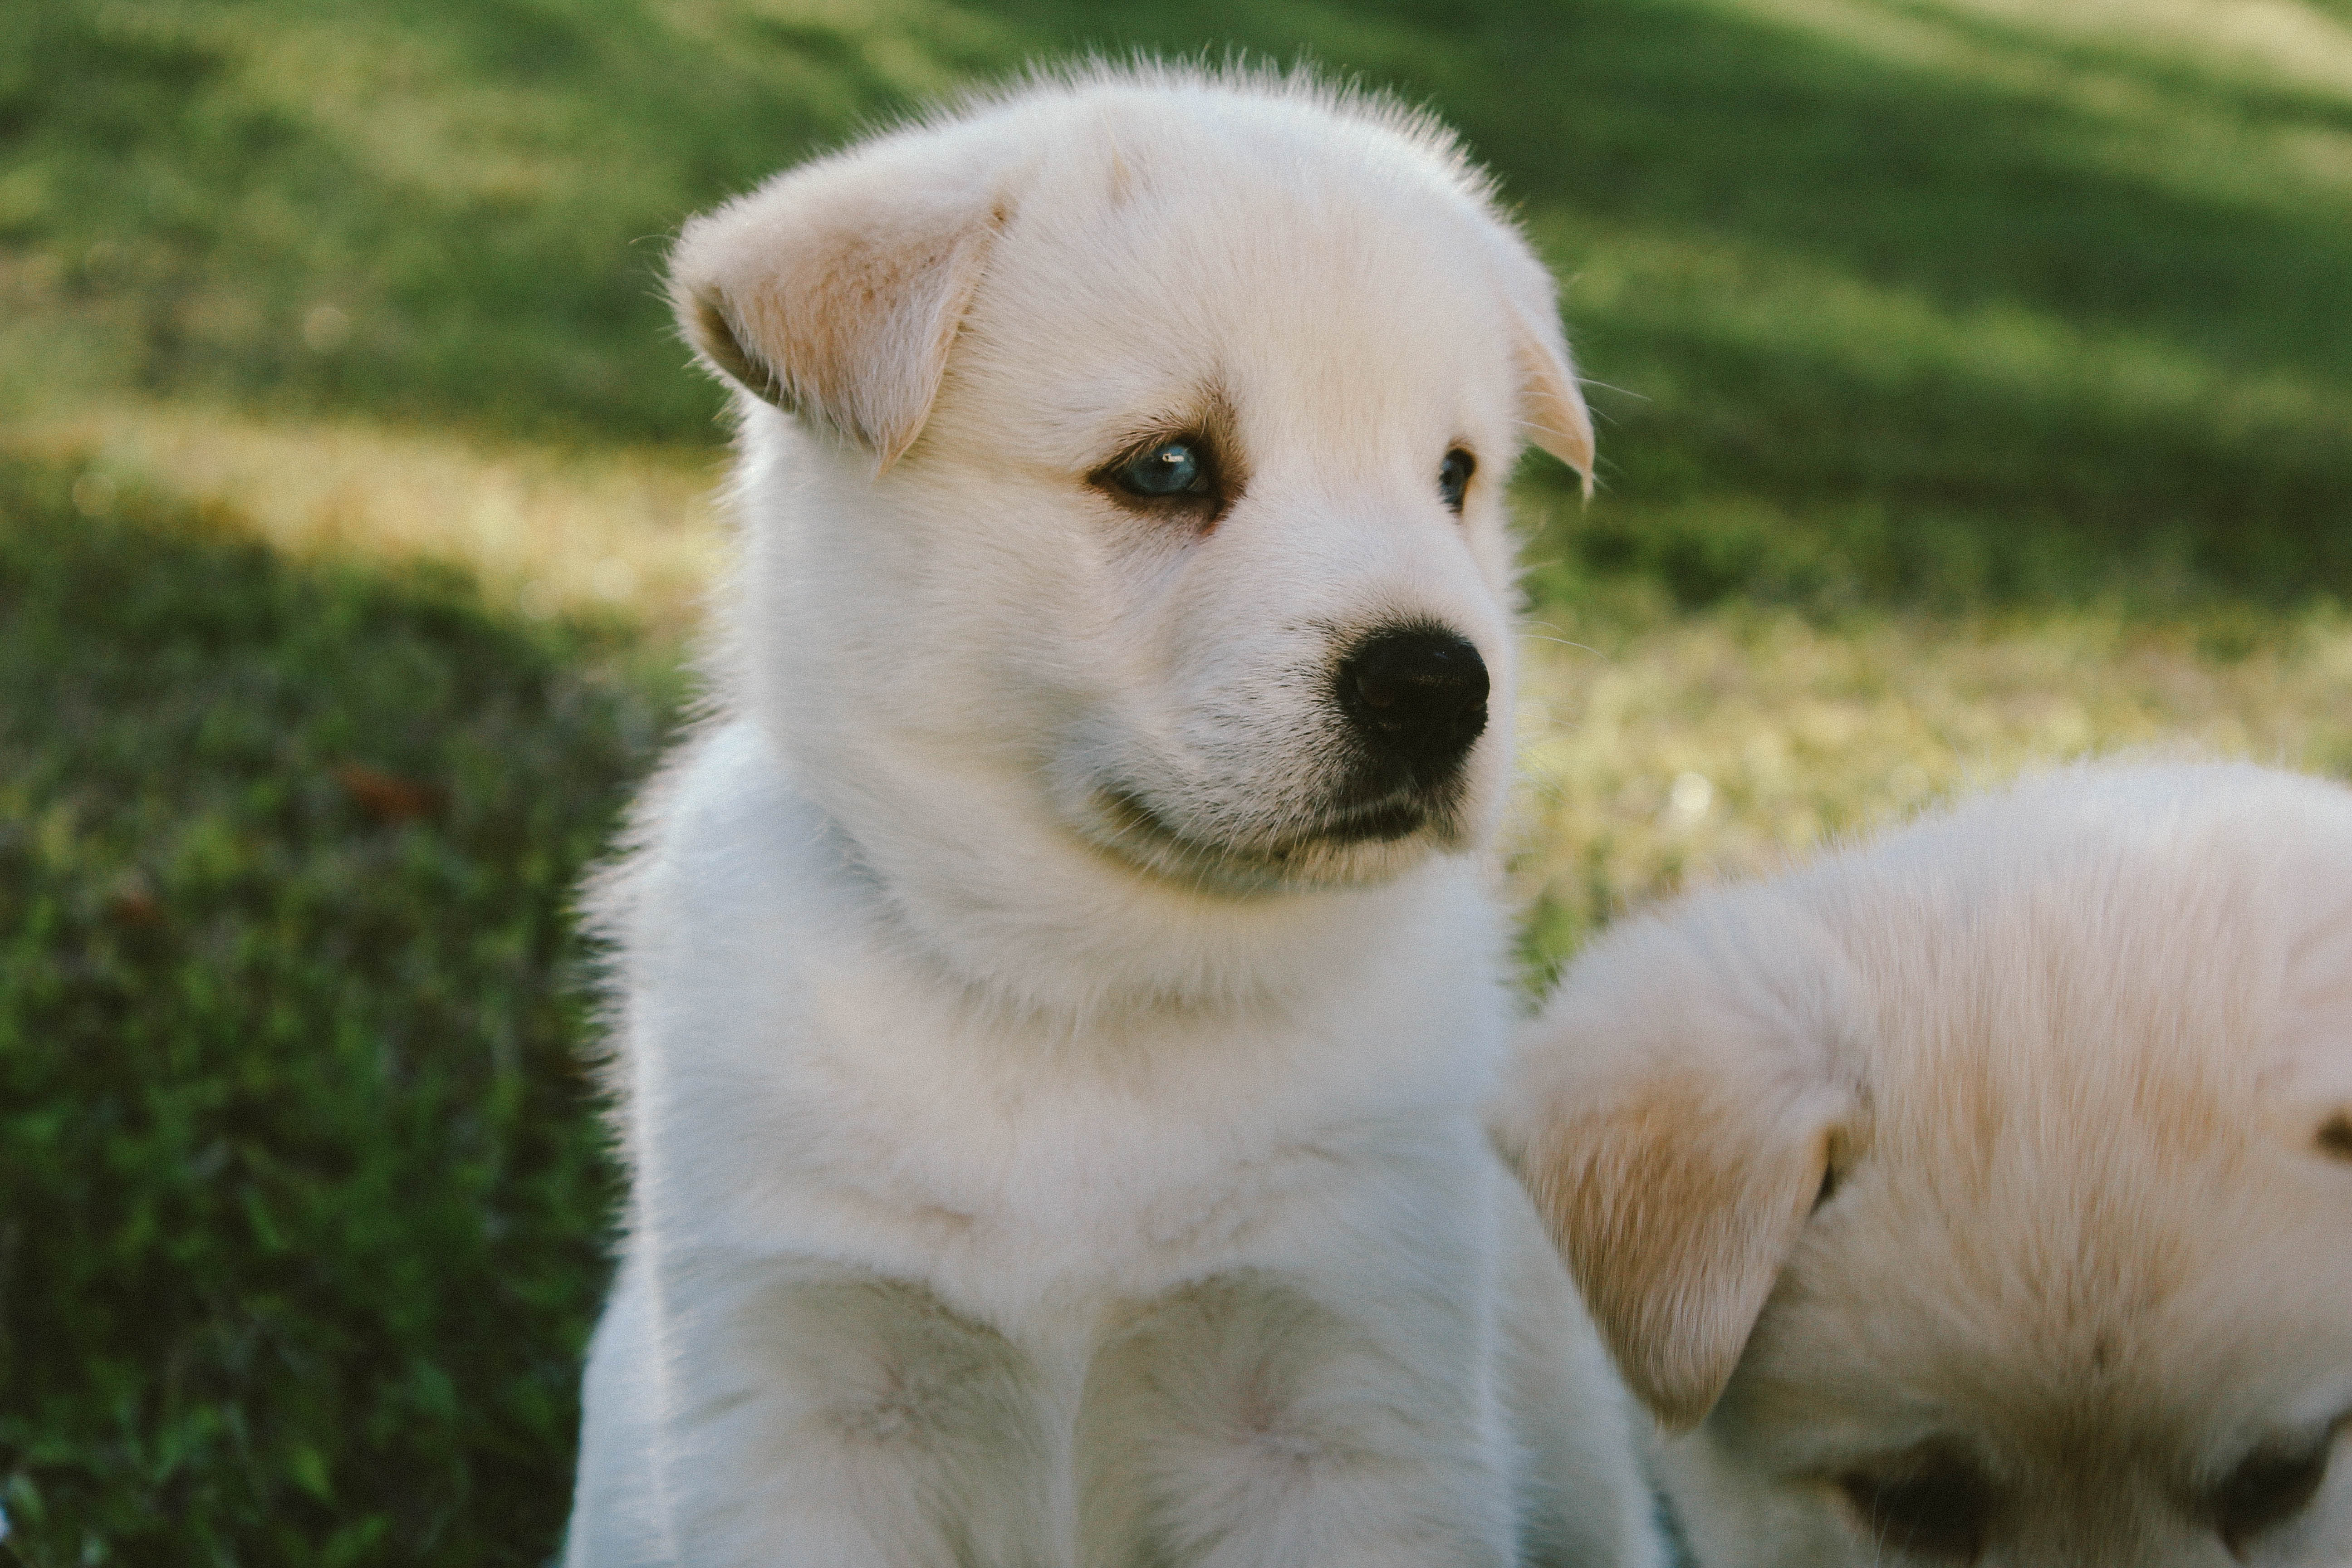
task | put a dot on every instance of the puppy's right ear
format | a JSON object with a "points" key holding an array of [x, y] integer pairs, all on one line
{"points": [[835, 291], [1555, 414], [1552, 411], [1675, 1114]]}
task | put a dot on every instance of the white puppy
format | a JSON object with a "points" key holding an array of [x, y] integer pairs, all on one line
{"points": [[1058, 994], [1985, 1195]]}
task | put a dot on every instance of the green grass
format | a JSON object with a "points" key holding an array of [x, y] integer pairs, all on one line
{"points": [[1914, 302], [1975, 387], [304, 1199]]}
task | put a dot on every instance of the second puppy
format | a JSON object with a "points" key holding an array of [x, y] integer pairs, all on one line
{"points": [[1984, 1195]]}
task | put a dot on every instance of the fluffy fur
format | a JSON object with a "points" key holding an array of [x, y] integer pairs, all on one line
{"points": [[1984, 1194], [1053, 1102]]}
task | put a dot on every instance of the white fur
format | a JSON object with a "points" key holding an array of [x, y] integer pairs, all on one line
{"points": [[1022, 1177], [2078, 1058]]}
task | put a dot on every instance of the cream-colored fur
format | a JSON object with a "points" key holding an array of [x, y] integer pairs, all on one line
{"points": [[1984, 1194], [1052, 1141]]}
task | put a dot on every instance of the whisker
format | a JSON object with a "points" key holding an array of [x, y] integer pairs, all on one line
{"points": [[1587, 648]]}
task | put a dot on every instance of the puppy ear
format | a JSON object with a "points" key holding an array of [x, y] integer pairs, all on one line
{"points": [[2316, 1088], [1674, 1117], [1555, 414], [1551, 409], [1676, 1206], [835, 291]]}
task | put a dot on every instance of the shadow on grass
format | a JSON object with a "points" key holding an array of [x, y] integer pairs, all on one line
{"points": [[305, 1192], [213, 223]]}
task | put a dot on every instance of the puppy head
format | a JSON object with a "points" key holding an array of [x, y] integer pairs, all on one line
{"points": [[1145, 461], [1983, 1196]]}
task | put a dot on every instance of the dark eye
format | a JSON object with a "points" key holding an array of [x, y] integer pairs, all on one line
{"points": [[1169, 469], [2269, 1489], [1933, 1505], [1454, 479]]}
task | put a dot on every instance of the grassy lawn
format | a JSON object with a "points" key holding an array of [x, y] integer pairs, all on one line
{"points": [[1975, 392], [1688, 746], [1937, 299], [304, 1208]]}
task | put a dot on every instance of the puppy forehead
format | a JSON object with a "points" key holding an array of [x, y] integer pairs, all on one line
{"points": [[2071, 1229], [2050, 1390], [1320, 279]]}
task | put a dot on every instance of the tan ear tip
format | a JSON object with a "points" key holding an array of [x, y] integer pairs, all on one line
{"points": [[1677, 1386], [1573, 448], [1676, 1417], [1676, 1364], [1560, 425], [704, 315], [1581, 450], [702, 311]]}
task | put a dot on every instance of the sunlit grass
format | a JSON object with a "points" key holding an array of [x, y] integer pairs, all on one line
{"points": [[1658, 746], [1681, 749], [546, 530], [2060, 281], [2275, 44]]}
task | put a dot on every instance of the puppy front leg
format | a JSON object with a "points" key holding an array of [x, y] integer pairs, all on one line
{"points": [[1240, 1422], [831, 1418], [1584, 1499]]}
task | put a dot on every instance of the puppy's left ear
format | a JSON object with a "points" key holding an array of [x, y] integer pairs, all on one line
{"points": [[1675, 1114], [2316, 1089], [835, 291], [1555, 414]]}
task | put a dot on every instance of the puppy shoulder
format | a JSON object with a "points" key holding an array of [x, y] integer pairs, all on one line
{"points": [[735, 871]]}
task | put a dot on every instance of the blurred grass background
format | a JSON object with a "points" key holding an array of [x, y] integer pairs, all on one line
{"points": [[1975, 387]]}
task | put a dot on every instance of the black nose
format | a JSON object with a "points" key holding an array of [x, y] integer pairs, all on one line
{"points": [[1416, 697]]}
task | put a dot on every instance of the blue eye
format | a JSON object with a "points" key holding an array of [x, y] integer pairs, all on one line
{"points": [[1170, 469], [1454, 479]]}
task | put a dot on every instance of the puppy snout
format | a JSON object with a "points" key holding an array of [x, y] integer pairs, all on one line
{"points": [[1415, 696]]}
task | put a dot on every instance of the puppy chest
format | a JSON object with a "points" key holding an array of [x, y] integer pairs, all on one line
{"points": [[1216, 1401], [876, 1127], [1008, 1208]]}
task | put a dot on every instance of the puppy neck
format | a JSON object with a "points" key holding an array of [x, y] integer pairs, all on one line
{"points": [[962, 874]]}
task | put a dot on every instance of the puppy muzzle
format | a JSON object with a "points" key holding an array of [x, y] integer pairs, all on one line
{"points": [[1415, 698]]}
